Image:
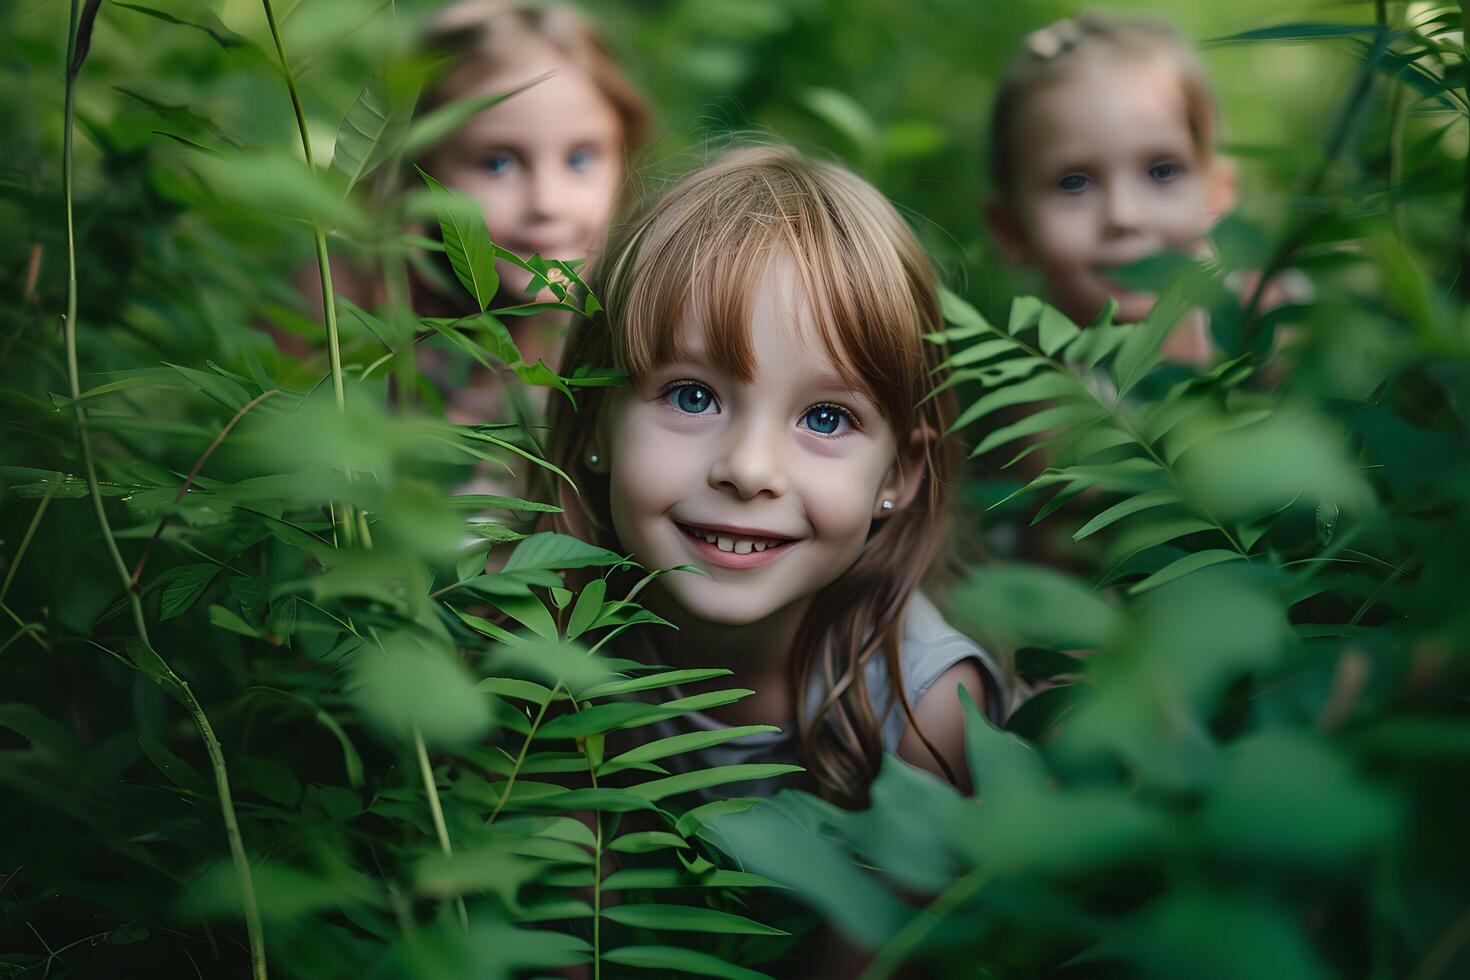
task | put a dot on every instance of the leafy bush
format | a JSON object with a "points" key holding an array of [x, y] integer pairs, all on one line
{"points": [[263, 701]]}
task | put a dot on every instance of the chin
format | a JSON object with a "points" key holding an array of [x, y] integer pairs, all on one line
{"points": [[722, 605]]}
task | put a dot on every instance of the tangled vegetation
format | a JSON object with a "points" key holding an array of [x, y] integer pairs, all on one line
{"points": [[263, 707]]}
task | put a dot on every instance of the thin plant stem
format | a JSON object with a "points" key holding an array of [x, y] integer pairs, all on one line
{"points": [[891, 956], [1464, 249], [342, 516], [521, 756], [596, 867], [440, 829], [193, 474], [179, 686], [25, 542]]}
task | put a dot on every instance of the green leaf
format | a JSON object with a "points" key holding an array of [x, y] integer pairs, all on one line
{"points": [[407, 683], [649, 682], [466, 241], [431, 127], [549, 550], [187, 584], [589, 605], [676, 744], [1025, 312], [490, 501], [840, 111], [1040, 388], [510, 687], [1182, 567], [1056, 330], [208, 23], [527, 610], [982, 351], [687, 918], [966, 319], [369, 134], [1034, 606], [1000, 763], [679, 960], [1153, 498], [1049, 418], [228, 620], [642, 842], [687, 782]]}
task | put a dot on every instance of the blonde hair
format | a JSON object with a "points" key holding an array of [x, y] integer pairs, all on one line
{"points": [[700, 250], [1055, 51], [480, 36]]}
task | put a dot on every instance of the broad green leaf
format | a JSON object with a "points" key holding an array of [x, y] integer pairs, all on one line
{"points": [[1049, 418], [1000, 763], [689, 742], [679, 961], [632, 714], [207, 23], [1182, 567], [229, 620], [527, 610], [966, 319], [187, 583], [589, 605], [656, 878], [1055, 330], [649, 682], [1025, 312], [976, 353], [687, 918], [1050, 385], [490, 501], [1153, 498], [548, 550], [642, 842], [687, 782], [408, 684], [840, 111], [1150, 534], [466, 241], [369, 134], [509, 687], [1034, 606], [431, 127]]}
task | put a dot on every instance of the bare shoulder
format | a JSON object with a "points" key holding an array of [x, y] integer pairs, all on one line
{"points": [[942, 719]]}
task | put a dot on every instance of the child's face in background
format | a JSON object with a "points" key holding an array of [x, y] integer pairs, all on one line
{"points": [[1107, 171], [786, 472], [546, 164]]}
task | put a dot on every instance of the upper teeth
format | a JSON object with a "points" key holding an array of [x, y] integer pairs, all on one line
{"points": [[740, 546]]}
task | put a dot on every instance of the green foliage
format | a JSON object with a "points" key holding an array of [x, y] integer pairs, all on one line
{"points": [[406, 706]]}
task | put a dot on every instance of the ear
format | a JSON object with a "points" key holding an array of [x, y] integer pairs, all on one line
{"points": [[1221, 189], [1006, 231], [905, 477]]}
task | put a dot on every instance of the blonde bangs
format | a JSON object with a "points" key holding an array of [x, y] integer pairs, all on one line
{"points": [[701, 258]]}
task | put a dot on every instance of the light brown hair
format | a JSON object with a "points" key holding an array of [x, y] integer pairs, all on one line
{"points": [[481, 36], [699, 251], [1053, 52]]}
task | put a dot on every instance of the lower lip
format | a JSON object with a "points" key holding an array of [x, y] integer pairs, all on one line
{"points": [[729, 559]]}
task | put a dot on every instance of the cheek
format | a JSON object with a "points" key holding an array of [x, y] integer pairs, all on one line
{"points": [[1061, 232], [650, 469]]}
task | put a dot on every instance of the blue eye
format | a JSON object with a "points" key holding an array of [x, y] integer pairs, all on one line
{"points": [[581, 159], [1073, 183], [1164, 172], [825, 419], [498, 163], [691, 398]]}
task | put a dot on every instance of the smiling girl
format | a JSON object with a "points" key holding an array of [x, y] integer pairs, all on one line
{"points": [[769, 312], [1102, 154]]}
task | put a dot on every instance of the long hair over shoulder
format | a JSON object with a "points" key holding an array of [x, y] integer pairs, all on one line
{"points": [[698, 251]]}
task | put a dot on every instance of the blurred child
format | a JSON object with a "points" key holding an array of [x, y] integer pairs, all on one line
{"points": [[548, 165], [1102, 154], [769, 312]]}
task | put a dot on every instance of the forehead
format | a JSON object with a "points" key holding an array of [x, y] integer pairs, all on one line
{"points": [[566, 101], [783, 330], [1105, 101]]}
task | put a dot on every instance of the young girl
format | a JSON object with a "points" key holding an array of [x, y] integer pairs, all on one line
{"points": [[769, 312], [548, 165], [1102, 154]]}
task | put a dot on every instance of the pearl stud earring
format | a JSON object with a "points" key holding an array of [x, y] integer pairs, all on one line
{"points": [[887, 505], [593, 459]]}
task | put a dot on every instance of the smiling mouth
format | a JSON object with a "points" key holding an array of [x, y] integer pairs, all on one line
{"points": [[729, 543]]}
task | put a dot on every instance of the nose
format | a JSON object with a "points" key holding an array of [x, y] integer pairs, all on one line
{"points": [[542, 191], [1123, 208], [748, 462]]}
